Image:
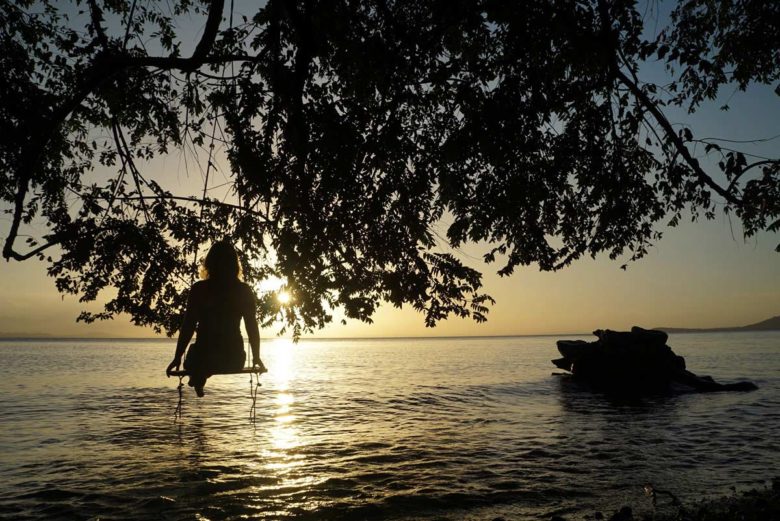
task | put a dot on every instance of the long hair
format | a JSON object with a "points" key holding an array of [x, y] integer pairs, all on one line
{"points": [[221, 263]]}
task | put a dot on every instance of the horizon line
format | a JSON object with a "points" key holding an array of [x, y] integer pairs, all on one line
{"points": [[678, 331], [164, 338]]}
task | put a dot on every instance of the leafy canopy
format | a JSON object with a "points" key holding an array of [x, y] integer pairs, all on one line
{"points": [[355, 130]]}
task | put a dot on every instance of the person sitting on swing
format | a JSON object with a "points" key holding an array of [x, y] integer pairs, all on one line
{"points": [[216, 306]]}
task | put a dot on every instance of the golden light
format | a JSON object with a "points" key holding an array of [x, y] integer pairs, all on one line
{"points": [[270, 284], [275, 286], [283, 297], [284, 436]]}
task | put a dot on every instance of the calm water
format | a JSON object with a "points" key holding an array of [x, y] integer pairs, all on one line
{"points": [[370, 429]]}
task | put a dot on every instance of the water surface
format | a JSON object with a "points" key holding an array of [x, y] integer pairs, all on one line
{"points": [[464, 428]]}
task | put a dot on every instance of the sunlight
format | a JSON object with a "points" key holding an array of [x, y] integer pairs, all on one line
{"points": [[283, 297], [271, 284], [284, 436], [282, 350], [275, 285]]}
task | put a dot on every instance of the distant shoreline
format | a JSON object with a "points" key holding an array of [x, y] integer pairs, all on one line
{"points": [[772, 324], [165, 339], [675, 331], [671, 331]]}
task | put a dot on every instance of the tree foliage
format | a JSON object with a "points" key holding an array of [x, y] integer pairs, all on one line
{"points": [[355, 130]]}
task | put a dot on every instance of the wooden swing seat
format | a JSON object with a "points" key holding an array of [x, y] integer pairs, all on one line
{"points": [[254, 385], [245, 370]]}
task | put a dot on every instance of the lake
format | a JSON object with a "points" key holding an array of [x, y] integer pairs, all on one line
{"points": [[446, 428]]}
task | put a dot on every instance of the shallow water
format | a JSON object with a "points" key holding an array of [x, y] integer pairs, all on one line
{"points": [[464, 428]]}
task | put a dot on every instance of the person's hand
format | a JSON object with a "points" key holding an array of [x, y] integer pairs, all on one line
{"points": [[174, 365], [259, 365]]}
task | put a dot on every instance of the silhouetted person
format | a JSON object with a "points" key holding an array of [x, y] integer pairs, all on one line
{"points": [[216, 306]]}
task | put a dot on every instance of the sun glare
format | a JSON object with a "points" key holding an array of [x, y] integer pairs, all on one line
{"points": [[283, 297], [270, 284], [275, 285]]}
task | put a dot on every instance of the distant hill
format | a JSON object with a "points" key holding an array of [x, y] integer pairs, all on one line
{"points": [[770, 324]]}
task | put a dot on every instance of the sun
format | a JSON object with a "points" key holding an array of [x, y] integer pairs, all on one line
{"points": [[275, 286], [283, 297]]}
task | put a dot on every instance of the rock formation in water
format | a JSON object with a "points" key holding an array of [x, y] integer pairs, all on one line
{"points": [[638, 360]]}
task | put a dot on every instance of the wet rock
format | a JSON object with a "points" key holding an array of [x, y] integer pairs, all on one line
{"points": [[624, 514], [638, 360]]}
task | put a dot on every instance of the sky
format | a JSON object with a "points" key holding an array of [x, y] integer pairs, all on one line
{"points": [[702, 274]]}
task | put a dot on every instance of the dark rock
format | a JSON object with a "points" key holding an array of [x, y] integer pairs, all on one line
{"points": [[650, 336], [562, 363], [624, 514], [637, 361], [739, 386]]}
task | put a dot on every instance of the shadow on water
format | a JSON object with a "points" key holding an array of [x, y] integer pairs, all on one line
{"points": [[579, 397]]}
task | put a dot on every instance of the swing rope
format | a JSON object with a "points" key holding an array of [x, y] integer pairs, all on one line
{"points": [[177, 411]]}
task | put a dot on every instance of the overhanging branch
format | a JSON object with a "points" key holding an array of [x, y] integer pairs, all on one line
{"points": [[104, 68], [210, 202], [678, 143], [24, 256], [750, 166]]}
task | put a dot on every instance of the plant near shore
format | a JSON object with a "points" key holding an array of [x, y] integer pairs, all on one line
{"points": [[354, 132]]}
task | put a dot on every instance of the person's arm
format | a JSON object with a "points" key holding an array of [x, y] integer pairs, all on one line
{"points": [[252, 329], [185, 332]]}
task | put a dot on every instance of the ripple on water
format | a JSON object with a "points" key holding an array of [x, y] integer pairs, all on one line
{"points": [[451, 429]]}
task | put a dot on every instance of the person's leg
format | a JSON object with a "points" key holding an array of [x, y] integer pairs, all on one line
{"points": [[198, 381], [194, 363]]}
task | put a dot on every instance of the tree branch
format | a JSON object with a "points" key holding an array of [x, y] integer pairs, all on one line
{"points": [[678, 143], [752, 165], [129, 25], [127, 162], [104, 68], [20, 257], [633, 86], [96, 16], [195, 200], [209, 32]]}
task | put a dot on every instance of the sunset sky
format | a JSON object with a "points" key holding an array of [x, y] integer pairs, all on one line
{"points": [[699, 275]]}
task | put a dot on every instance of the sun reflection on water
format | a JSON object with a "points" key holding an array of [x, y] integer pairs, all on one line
{"points": [[284, 436]]}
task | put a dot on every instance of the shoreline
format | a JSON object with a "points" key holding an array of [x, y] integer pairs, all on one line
{"points": [[755, 504]]}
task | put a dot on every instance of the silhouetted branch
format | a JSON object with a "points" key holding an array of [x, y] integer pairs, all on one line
{"points": [[195, 200], [127, 161], [752, 141], [749, 167], [210, 32], [129, 24], [20, 257], [652, 107], [674, 138], [96, 17], [104, 68]]}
